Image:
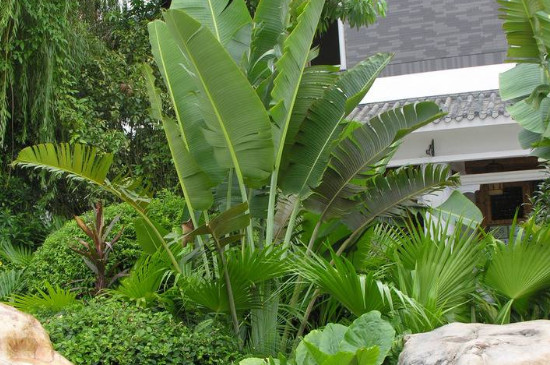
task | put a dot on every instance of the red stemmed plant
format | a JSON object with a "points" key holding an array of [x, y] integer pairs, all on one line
{"points": [[96, 254]]}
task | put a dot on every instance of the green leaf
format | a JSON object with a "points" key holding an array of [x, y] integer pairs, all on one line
{"points": [[520, 81], [194, 182], [237, 124], [234, 219], [270, 21], [359, 293], [289, 70], [362, 154], [393, 194], [322, 128], [368, 356], [79, 161], [146, 237], [458, 208], [229, 21], [526, 25], [521, 268], [367, 331], [184, 97]]}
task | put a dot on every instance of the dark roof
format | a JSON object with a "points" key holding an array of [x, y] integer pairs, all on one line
{"points": [[478, 104]]}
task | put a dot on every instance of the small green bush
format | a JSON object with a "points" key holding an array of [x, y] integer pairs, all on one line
{"points": [[56, 263], [107, 331]]}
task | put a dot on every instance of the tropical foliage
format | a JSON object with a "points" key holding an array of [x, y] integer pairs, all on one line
{"points": [[269, 125], [527, 29]]}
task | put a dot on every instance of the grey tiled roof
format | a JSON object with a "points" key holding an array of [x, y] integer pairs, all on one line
{"points": [[465, 106]]}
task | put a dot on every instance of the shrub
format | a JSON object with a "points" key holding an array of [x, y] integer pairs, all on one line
{"points": [[107, 331], [56, 263]]}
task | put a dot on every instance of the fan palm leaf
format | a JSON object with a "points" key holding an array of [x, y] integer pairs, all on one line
{"points": [[437, 268], [359, 293], [520, 269]]}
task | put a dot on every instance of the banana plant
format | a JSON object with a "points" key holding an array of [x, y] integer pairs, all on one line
{"points": [[527, 85], [248, 110]]}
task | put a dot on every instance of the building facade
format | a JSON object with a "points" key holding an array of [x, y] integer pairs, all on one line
{"points": [[450, 52]]}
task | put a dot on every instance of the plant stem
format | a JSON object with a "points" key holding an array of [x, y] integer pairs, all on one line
{"points": [[314, 235], [229, 289], [229, 189], [307, 313], [291, 223], [271, 209]]}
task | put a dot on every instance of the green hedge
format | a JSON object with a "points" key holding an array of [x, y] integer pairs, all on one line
{"points": [[110, 332], [56, 263]]}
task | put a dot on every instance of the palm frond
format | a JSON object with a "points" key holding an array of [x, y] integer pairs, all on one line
{"points": [[362, 155], [10, 282], [144, 280], [393, 194], [359, 293], [521, 268], [78, 161], [19, 255], [322, 128], [53, 299], [437, 268]]}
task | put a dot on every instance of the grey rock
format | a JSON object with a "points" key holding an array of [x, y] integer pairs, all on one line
{"points": [[525, 343]]}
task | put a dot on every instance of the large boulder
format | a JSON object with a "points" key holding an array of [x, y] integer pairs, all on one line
{"points": [[472, 344], [23, 341]]}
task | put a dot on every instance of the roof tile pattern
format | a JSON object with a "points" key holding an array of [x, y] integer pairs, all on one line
{"points": [[465, 106]]}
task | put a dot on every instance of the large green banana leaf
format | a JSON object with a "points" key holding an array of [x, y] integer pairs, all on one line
{"points": [[359, 156], [237, 124], [194, 182], [184, 97], [229, 21], [527, 28], [322, 128], [270, 21], [289, 70]]}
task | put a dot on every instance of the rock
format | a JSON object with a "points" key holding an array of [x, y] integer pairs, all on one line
{"points": [[472, 344], [23, 340]]}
